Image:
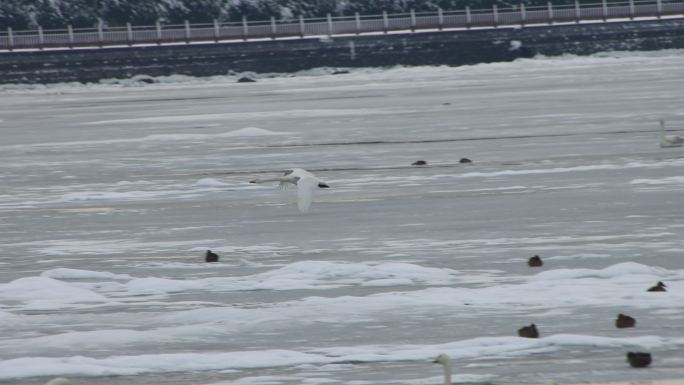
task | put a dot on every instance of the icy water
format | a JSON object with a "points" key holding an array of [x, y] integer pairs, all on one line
{"points": [[112, 193]]}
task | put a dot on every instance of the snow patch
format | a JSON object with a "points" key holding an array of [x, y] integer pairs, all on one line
{"points": [[664, 181], [615, 271], [47, 293], [253, 131], [243, 132], [316, 275], [64, 273], [485, 347], [231, 116]]}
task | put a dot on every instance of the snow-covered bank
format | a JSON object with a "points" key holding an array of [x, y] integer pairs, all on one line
{"points": [[292, 54]]}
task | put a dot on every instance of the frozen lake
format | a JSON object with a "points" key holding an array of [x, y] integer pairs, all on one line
{"points": [[111, 194]]}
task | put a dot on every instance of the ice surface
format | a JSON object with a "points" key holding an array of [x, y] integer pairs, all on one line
{"points": [[163, 363], [239, 116], [669, 180], [41, 292], [63, 273], [112, 193]]}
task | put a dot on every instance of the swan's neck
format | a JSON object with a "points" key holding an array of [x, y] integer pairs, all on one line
{"points": [[447, 373], [662, 128]]}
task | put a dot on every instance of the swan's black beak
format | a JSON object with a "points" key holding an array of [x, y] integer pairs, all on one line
{"points": [[323, 185], [252, 181]]}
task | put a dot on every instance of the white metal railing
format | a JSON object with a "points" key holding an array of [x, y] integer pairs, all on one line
{"points": [[521, 15]]}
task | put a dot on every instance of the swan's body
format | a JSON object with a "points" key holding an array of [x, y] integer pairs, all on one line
{"points": [[669, 140], [305, 181], [59, 381], [444, 360]]}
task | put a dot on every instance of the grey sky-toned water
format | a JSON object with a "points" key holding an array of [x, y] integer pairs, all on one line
{"points": [[112, 193]]}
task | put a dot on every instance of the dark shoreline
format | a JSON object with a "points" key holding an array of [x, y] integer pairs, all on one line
{"points": [[454, 48]]}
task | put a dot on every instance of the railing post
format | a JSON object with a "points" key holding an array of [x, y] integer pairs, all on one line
{"points": [[273, 28], [301, 26], [70, 32], [330, 25], [188, 33], [413, 20], [385, 22], [10, 38], [159, 32], [523, 15], [440, 16], [41, 37], [469, 18], [659, 7], [100, 34], [496, 18], [245, 28], [129, 33], [495, 15]]}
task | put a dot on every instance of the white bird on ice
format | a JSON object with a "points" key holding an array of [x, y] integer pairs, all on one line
{"points": [[305, 181], [669, 140], [446, 362]]}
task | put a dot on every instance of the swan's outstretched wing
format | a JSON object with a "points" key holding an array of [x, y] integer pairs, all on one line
{"points": [[285, 184], [289, 181], [305, 190]]}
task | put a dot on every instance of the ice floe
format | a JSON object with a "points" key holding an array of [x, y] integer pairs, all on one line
{"points": [[484, 347]]}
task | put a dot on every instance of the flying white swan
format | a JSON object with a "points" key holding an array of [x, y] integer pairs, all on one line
{"points": [[446, 362], [669, 140], [59, 381], [305, 181]]}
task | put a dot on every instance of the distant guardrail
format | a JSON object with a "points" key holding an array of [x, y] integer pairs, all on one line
{"points": [[103, 36]]}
